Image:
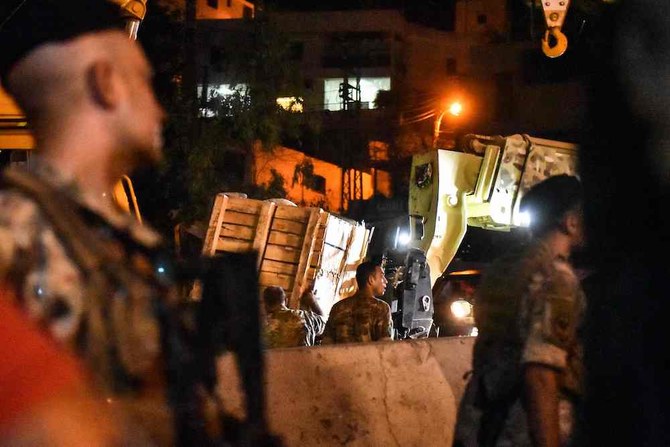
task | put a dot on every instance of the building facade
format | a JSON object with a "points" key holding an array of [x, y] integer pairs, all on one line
{"points": [[375, 78]]}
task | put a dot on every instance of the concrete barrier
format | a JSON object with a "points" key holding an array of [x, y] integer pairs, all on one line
{"points": [[401, 393]]}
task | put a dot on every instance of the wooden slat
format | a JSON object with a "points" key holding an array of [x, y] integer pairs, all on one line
{"points": [[281, 238], [276, 279], [270, 266], [300, 214], [237, 218], [288, 226], [238, 232], [247, 206], [307, 247], [265, 215], [234, 245], [214, 229], [281, 253]]}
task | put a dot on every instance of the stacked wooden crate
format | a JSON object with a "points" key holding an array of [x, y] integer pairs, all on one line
{"points": [[298, 248]]}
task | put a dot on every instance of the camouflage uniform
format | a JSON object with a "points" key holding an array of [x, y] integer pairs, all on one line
{"points": [[113, 328], [358, 319], [286, 328], [528, 310]]}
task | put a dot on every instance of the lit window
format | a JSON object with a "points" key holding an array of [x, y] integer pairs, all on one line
{"points": [[290, 103], [369, 87], [223, 90], [219, 91]]}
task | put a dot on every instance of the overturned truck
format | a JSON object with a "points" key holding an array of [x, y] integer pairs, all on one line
{"points": [[297, 248]]}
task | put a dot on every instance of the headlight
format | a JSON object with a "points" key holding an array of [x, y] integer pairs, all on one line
{"points": [[461, 309]]}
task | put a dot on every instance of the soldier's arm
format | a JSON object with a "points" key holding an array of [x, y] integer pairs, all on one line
{"points": [[552, 329], [385, 323], [541, 392], [46, 399], [315, 324], [328, 337]]}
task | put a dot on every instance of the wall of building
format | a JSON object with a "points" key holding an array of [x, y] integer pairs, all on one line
{"points": [[474, 64], [487, 18], [285, 160], [224, 9]]}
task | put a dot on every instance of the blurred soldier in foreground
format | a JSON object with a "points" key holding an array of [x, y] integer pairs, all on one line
{"points": [[81, 268], [527, 366], [361, 317], [286, 328]]}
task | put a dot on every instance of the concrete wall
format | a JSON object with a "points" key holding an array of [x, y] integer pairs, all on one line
{"points": [[400, 393]]}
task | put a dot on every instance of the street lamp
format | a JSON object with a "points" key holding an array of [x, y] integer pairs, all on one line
{"points": [[454, 109]]}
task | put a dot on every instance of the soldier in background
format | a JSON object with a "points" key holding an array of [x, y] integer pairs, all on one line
{"points": [[527, 364], [361, 317], [287, 328]]}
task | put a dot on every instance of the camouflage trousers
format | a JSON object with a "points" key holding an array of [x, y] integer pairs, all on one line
{"points": [[514, 432]]}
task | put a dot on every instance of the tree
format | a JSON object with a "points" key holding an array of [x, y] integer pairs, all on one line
{"points": [[216, 154]]}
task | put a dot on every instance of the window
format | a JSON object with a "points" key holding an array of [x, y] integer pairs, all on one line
{"points": [[216, 56], [364, 49], [213, 4], [369, 87], [504, 104], [481, 19], [451, 66], [296, 51], [221, 92], [290, 104], [247, 13], [318, 184]]}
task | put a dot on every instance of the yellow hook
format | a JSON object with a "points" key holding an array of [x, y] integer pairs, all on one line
{"points": [[560, 46]]}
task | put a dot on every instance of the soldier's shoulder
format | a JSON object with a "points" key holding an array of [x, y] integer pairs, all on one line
{"points": [[343, 306], [19, 214], [381, 304], [14, 205]]}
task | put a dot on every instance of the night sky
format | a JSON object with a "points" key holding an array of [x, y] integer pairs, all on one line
{"points": [[435, 13]]}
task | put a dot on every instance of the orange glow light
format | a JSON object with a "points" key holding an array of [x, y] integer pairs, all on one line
{"points": [[455, 108]]}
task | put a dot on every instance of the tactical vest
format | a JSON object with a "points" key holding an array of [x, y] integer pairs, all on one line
{"points": [[119, 335]]}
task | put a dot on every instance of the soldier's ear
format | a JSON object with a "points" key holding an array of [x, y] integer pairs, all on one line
{"points": [[102, 84], [571, 223]]}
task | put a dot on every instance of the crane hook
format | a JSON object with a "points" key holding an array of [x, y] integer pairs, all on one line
{"points": [[561, 42]]}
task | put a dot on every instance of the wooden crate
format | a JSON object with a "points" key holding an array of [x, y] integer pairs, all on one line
{"points": [[297, 247]]}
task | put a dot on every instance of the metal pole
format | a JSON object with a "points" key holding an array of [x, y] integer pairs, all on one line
{"points": [[436, 129]]}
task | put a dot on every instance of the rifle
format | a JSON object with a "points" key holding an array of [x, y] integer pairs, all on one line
{"points": [[226, 319], [192, 334]]}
